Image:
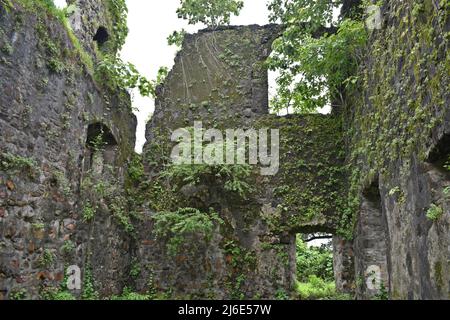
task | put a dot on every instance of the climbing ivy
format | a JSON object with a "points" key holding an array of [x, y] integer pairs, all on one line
{"points": [[89, 292], [233, 178], [392, 124], [119, 13], [316, 261], [115, 73]]}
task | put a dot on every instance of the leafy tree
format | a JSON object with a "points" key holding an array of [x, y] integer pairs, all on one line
{"points": [[213, 13], [118, 74], [317, 55], [176, 38], [314, 261]]}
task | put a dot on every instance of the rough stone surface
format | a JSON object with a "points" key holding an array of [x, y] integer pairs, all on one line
{"points": [[44, 117], [400, 138], [379, 166]]}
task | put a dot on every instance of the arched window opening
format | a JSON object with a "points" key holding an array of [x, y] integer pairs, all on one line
{"points": [[101, 148]]}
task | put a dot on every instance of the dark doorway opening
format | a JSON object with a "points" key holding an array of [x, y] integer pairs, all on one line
{"points": [[439, 156], [98, 133]]}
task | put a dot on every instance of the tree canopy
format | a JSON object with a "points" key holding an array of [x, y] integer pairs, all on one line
{"points": [[213, 13], [317, 55]]}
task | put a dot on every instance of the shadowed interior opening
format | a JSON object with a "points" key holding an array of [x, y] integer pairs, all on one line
{"points": [[101, 36], [98, 133], [440, 154]]}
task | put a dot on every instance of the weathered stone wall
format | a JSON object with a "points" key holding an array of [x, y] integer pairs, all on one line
{"points": [[48, 99], [219, 78], [398, 134], [65, 199]]}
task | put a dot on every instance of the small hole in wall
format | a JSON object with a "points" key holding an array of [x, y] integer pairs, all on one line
{"points": [[101, 36]]}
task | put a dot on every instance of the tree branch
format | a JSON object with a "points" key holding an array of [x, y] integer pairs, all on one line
{"points": [[318, 238]]}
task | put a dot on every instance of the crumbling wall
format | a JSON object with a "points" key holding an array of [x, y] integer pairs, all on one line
{"points": [[66, 140], [220, 78], [398, 134], [48, 98]]}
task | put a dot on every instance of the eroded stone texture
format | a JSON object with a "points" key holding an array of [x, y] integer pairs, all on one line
{"points": [[370, 245], [47, 102], [397, 134], [344, 265], [400, 134]]}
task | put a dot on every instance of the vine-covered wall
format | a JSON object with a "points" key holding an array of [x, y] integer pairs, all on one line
{"points": [[398, 138], [54, 195], [220, 78], [72, 191]]}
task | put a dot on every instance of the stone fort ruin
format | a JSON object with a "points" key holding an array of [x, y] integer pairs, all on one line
{"points": [[368, 173]]}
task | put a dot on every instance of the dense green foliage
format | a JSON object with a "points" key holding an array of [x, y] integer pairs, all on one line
{"points": [[314, 261], [118, 74], [176, 38], [119, 12], [176, 226], [89, 292], [315, 273], [234, 178], [136, 168], [213, 13], [14, 163], [435, 212], [318, 289], [7, 4], [317, 55]]}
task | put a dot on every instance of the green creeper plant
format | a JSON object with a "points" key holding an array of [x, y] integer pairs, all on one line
{"points": [[176, 38]]}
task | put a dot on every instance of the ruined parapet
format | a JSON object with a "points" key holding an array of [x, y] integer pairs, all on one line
{"points": [[49, 104]]}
